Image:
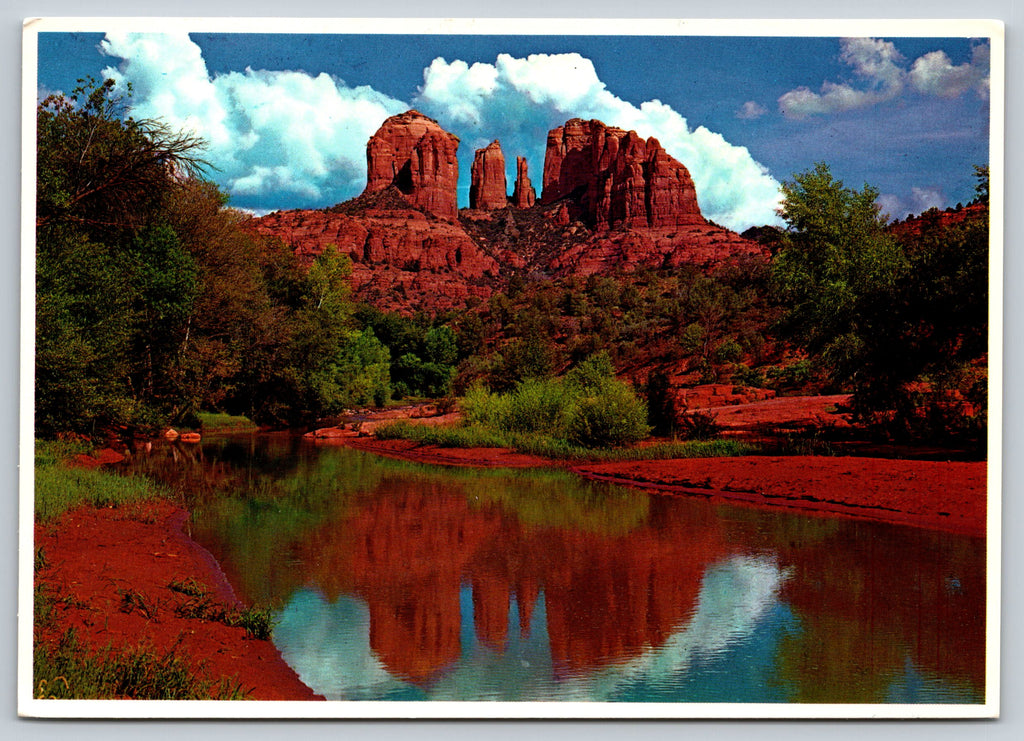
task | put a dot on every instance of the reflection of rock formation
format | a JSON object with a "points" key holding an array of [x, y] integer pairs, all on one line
{"points": [[608, 598]]}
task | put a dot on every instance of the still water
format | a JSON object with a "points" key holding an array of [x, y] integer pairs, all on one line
{"points": [[399, 581]]}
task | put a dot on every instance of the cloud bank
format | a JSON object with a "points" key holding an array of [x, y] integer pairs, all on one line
{"points": [[283, 139], [278, 139], [883, 75]]}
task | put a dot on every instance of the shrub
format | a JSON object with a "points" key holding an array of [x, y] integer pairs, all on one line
{"points": [[699, 426], [611, 416], [538, 405]]}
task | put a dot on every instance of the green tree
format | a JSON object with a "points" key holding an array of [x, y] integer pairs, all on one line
{"points": [[114, 287], [101, 170], [835, 261], [981, 187]]}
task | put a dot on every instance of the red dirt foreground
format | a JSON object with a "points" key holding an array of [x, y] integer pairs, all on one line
{"points": [[109, 572], [948, 496]]}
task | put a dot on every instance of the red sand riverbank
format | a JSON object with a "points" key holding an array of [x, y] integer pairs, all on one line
{"points": [[95, 556], [939, 495]]}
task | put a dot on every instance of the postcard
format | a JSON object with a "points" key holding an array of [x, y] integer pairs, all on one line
{"points": [[501, 369]]}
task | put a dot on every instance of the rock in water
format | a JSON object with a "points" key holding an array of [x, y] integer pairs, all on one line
{"points": [[488, 189], [413, 153]]}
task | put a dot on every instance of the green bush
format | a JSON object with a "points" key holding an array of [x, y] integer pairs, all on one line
{"points": [[589, 407], [611, 415], [538, 405]]}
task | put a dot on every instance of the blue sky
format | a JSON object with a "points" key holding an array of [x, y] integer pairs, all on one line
{"points": [[287, 116]]}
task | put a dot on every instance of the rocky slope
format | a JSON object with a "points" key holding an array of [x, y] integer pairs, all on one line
{"points": [[611, 202]]}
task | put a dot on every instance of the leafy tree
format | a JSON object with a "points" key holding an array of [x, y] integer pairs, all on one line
{"points": [[100, 170], [836, 259], [114, 286], [981, 187]]}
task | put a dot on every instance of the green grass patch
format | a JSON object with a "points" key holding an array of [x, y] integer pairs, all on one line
{"points": [[222, 422], [67, 670], [533, 443], [59, 488]]}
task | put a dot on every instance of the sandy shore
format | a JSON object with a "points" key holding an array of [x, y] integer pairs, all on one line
{"points": [[96, 556]]}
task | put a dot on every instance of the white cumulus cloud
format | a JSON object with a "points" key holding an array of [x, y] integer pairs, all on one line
{"points": [[935, 74], [518, 100], [750, 110], [874, 61], [268, 132], [884, 76]]}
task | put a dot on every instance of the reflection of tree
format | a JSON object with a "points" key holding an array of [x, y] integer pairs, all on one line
{"points": [[871, 597]]}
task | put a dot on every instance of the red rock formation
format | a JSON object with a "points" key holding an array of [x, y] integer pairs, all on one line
{"points": [[913, 226], [524, 195], [415, 154], [401, 259], [488, 189], [618, 178]]}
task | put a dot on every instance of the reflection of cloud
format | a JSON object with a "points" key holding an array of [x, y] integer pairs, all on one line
{"points": [[880, 67], [519, 100], [328, 645]]}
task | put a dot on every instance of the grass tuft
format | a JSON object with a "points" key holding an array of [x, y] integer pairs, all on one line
{"points": [[258, 622], [60, 487], [480, 436], [67, 670]]}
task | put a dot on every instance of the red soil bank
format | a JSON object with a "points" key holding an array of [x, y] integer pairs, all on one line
{"points": [[91, 554], [948, 496]]}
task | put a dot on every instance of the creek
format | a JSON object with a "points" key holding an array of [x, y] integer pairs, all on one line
{"points": [[393, 580]]}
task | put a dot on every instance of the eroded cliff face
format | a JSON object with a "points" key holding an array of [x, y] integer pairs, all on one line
{"points": [[612, 202], [488, 189], [524, 195], [402, 258], [413, 153], [617, 178]]}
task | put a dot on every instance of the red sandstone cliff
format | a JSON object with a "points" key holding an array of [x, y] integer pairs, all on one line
{"points": [[617, 178], [488, 189], [401, 258], [524, 196], [415, 154], [612, 202]]}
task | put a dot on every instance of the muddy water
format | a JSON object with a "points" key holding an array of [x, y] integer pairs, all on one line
{"points": [[400, 581]]}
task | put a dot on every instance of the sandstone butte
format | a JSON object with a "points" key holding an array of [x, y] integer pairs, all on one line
{"points": [[488, 189], [611, 201], [622, 179], [413, 153], [524, 196]]}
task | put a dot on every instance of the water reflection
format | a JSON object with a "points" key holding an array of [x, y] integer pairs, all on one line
{"points": [[399, 581]]}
